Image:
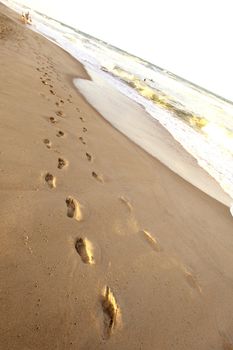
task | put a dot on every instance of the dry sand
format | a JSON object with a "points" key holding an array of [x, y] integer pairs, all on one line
{"points": [[102, 246]]}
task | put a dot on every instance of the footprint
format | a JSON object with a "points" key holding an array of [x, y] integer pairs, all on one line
{"points": [[47, 143], [52, 92], [51, 180], [60, 133], [82, 140], [44, 82], [69, 100], [53, 120], [82, 119], [97, 177], [126, 202], [61, 163], [110, 310], [73, 209], [192, 280], [60, 114], [59, 103], [84, 129], [84, 249], [151, 240], [89, 157], [77, 109]]}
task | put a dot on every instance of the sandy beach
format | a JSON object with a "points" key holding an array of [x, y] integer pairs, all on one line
{"points": [[102, 246]]}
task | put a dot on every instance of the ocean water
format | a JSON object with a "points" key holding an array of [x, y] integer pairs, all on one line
{"points": [[199, 120]]}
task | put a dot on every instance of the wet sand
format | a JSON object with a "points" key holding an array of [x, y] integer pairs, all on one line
{"points": [[102, 246], [133, 121]]}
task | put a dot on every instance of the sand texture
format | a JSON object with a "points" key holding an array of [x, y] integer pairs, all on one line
{"points": [[102, 246]]}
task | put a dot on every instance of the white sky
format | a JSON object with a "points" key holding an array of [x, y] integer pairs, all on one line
{"points": [[190, 38]]}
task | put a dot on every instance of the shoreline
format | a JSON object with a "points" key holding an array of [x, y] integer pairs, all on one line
{"points": [[93, 227], [153, 137]]}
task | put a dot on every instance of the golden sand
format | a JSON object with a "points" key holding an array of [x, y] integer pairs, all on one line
{"points": [[102, 246]]}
